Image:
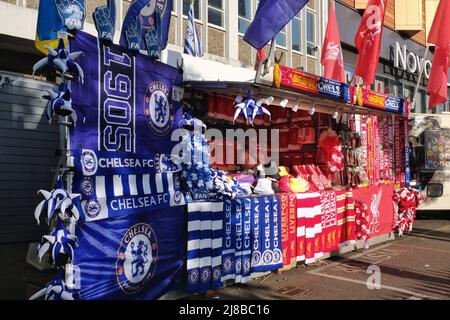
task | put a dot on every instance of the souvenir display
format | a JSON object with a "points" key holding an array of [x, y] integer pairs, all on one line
{"points": [[146, 206]]}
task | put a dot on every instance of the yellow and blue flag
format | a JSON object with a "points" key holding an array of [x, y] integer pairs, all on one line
{"points": [[48, 24]]}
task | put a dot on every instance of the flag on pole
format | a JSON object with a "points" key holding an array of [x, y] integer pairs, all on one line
{"points": [[270, 18], [192, 45], [332, 59], [48, 24], [368, 40], [440, 36]]}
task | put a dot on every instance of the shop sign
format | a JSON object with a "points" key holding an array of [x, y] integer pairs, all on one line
{"points": [[409, 61], [310, 83], [381, 101]]}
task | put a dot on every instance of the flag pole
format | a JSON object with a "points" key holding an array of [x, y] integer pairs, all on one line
{"points": [[422, 67]]}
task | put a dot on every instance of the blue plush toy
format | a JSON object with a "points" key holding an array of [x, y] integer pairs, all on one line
{"points": [[60, 243], [62, 60], [58, 201], [57, 290], [250, 108], [60, 103]]}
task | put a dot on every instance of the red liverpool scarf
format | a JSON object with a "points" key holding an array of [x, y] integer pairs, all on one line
{"points": [[329, 221], [349, 218], [285, 239], [293, 229], [309, 223], [340, 216]]}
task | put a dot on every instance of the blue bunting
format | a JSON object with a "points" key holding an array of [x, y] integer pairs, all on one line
{"points": [[60, 103], [61, 60], [105, 20]]}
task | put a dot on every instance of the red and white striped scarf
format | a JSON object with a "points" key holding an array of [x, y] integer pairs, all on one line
{"points": [[349, 218], [329, 221], [309, 223], [340, 216]]}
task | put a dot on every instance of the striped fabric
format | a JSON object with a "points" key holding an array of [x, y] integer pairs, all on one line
{"points": [[192, 45], [309, 224], [349, 218], [204, 249], [285, 237], [340, 210], [293, 229], [329, 221]]}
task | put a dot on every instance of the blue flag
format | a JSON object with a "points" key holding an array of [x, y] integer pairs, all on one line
{"points": [[145, 12], [192, 45], [271, 16], [48, 24], [135, 257]]}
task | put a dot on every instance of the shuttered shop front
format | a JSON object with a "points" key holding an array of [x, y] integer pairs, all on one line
{"points": [[28, 146]]}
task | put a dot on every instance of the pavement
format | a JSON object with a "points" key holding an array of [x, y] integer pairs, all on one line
{"points": [[414, 267]]}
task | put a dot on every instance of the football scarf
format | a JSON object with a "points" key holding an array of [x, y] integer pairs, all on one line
{"points": [[237, 236], [256, 235], [266, 231], [205, 250], [129, 258], [309, 210], [217, 233], [275, 207], [193, 245], [293, 229], [285, 238], [229, 247], [301, 226], [329, 221], [318, 246], [340, 216], [246, 239], [349, 218]]}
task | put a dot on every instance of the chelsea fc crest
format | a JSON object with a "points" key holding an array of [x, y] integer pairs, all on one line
{"points": [[157, 108], [136, 258]]}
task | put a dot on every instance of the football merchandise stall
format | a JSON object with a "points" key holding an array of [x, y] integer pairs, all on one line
{"points": [[342, 166], [144, 207]]}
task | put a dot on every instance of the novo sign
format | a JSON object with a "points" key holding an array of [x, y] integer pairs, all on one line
{"points": [[409, 61]]}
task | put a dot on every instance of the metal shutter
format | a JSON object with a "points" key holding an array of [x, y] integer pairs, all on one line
{"points": [[27, 155]]}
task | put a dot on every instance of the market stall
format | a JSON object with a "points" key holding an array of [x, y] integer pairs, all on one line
{"points": [[150, 201]]}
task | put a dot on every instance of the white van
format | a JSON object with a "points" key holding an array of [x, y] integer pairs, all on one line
{"points": [[429, 136]]}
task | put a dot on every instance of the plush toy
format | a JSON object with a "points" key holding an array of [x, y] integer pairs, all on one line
{"points": [[60, 243], [250, 108], [58, 201], [60, 103], [62, 60], [57, 290]]}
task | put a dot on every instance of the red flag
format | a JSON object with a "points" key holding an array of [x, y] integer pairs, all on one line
{"points": [[260, 56], [440, 36], [437, 84], [440, 29], [368, 40], [332, 59]]}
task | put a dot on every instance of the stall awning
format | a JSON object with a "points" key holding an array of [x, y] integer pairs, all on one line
{"points": [[303, 100]]}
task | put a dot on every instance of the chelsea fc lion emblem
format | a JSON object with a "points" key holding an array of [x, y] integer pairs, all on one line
{"points": [[157, 108], [136, 258]]}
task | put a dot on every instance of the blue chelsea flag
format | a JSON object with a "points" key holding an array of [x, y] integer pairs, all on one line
{"points": [[270, 18]]}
